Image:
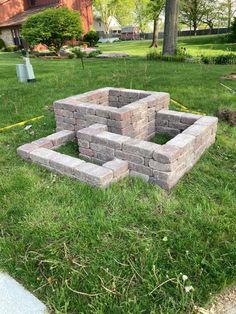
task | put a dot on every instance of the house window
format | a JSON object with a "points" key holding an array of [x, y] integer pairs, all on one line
{"points": [[32, 2]]}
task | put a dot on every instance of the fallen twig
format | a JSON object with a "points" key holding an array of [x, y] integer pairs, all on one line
{"points": [[80, 292]]}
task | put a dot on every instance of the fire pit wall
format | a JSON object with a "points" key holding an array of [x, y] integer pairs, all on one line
{"points": [[126, 112], [160, 164], [131, 118]]}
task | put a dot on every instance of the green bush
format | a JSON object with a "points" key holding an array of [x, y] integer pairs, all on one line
{"points": [[220, 59], [71, 56], [52, 27], [93, 54], [154, 55], [2, 44], [92, 38], [11, 48]]}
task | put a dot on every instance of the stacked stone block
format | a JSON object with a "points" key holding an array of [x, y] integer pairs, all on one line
{"points": [[160, 164], [125, 112], [112, 127], [41, 152], [174, 122]]}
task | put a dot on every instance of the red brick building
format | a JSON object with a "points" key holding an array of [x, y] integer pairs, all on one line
{"points": [[14, 12]]}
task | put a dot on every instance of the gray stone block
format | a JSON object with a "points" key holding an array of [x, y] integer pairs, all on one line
{"points": [[141, 148], [25, 150], [42, 156], [94, 175], [119, 167], [61, 137], [43, 142], [65, 164]]}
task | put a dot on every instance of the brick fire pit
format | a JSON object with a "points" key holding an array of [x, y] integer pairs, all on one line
{"points": [[113, 128]]}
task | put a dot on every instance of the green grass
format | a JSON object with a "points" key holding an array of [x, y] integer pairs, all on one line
{"points": [[196, 46], [128, 246]]}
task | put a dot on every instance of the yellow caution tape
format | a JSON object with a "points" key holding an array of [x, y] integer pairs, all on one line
{"points": [[20, 123], [185, 109]]}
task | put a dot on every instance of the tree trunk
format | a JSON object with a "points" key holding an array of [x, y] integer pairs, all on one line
{"points": [[154, 43], [171, 27], [195, 29]]}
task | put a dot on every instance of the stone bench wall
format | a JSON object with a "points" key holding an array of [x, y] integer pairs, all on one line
{"points": [[174, 122], [113, 127], [160, 164], [42, 152], [136, 119]]}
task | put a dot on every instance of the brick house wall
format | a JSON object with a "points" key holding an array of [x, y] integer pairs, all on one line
{"points": [[11, 8]]}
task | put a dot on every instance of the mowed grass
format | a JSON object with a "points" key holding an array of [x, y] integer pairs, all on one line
{"points": [[196, 46], [124, 249]]}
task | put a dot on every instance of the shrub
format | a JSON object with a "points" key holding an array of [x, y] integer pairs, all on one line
{"points": [[93, 54], [71, 56], [52, 27], [2, 44], [11, 48], [220, 59], [92, 38], [154, 55]]}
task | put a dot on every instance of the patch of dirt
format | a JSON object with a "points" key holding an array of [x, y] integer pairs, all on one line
{"points": [[227, 115], [225, 303], [231, 76]]}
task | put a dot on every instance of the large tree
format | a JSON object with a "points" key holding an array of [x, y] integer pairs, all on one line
{"points": [[192, 12], [122, 10], [212, 13], [52, 27], [171, 27], [141, 17], [154, 9], [105, 9], [229, 10]]}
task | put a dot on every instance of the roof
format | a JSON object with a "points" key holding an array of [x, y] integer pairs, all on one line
{"points": [[129, 29], [20, 18]]}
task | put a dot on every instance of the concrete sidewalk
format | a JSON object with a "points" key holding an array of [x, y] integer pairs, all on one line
{"points": [[15, 299]]}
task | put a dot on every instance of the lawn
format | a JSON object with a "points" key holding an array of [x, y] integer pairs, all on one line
{"points": [[124, 249], [196, 46]]}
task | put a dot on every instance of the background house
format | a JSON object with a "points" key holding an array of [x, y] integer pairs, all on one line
{"points": [[114, 27], [14, 12]]}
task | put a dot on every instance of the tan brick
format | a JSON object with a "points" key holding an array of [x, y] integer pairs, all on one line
{"points": [[110, 139], [94, 175], [189, 118], [84, 144], [141, 169], [207, 121], [43, 142], [119, 167], [130, 157], [167, 167], [61, 137], [87, 133], [102, 149], [25, 150], [65, 164], [197, 130], [166, 130], [86, 151], [167, 153], [141, 148], [42, 156], [183, 141]]}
